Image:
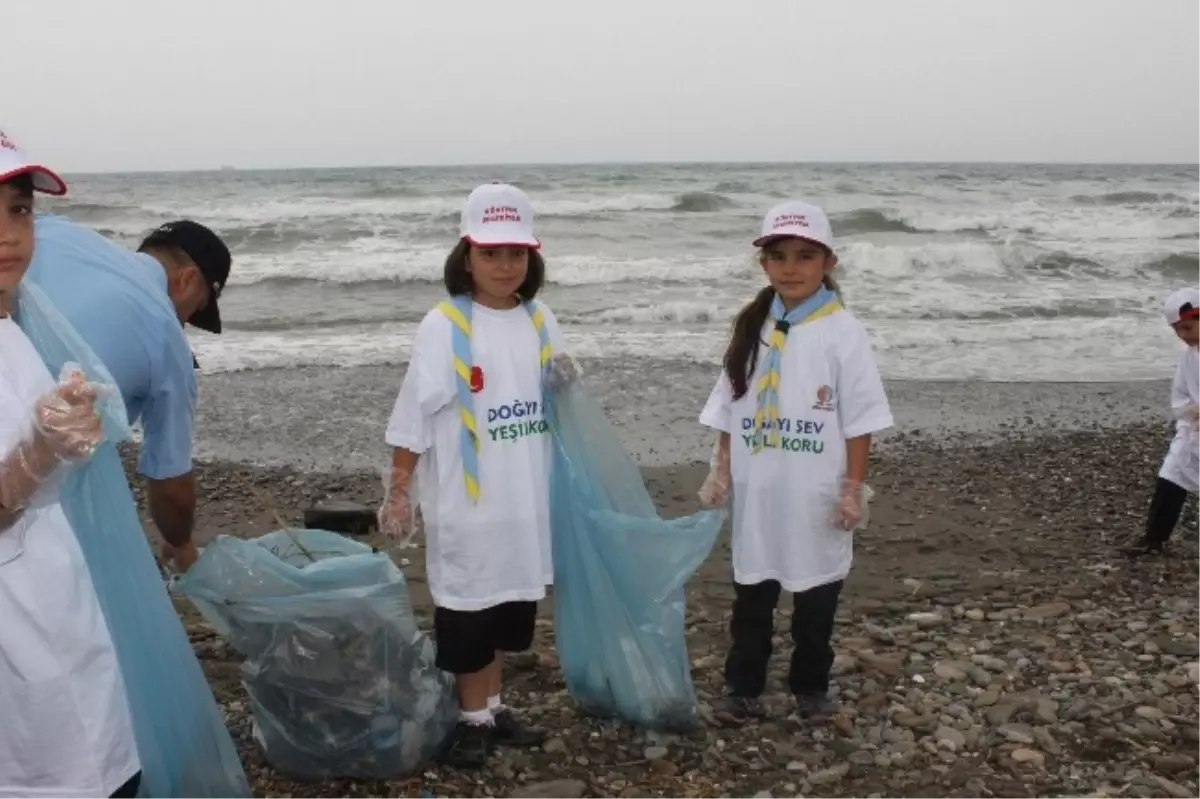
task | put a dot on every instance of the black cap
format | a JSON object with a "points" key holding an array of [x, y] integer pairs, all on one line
{"points": [[210, 255]]}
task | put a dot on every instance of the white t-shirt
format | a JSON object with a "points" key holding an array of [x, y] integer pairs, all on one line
{"points": [[497, 550], [1182, 464], [783, 498], [64, 719]]}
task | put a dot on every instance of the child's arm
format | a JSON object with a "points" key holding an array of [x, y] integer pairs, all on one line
{"points": [[858, 453], [715, 491], [398, 515]]}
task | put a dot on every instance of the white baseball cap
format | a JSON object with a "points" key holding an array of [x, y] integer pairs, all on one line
{"points": [[799, 220], [499, 215], [14, 161], [1182, 304]]}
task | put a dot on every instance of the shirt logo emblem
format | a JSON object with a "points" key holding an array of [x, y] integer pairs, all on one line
{"points": [[824, 399]]}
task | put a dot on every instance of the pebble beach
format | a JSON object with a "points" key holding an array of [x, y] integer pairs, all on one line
{"points": [[990, 640]]}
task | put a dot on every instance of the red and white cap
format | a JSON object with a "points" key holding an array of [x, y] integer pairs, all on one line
{"points": [[14, 161], [499, 215], [796, 220], [1182, 304]]}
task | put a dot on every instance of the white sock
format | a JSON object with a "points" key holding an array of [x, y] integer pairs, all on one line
{"points": [[476, 718], [494, 704]]}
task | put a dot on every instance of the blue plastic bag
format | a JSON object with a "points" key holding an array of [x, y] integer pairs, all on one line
{"points": [[341, 681], [619, 574], [182, 742]]}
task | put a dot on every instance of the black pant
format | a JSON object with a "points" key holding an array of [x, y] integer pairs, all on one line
{"points": [[1165, 508], [467, 640], [130, 788], [753, 625]]}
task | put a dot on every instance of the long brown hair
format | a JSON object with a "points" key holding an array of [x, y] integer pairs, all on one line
{"points": [[741, 356], [457, 277]]}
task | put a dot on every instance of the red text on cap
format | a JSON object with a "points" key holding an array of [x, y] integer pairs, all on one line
{"points": [[501, 213], [790, 220]]}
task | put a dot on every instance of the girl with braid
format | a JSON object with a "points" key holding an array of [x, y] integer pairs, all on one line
{"points": [[795, 408], [469, 425]]}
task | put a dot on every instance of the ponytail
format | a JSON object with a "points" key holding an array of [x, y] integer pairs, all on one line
{"points": [[741, 357], [828, 281]]}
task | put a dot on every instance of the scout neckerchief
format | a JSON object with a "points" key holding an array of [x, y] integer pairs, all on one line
{"points": [[766, 416], [458, 310]]}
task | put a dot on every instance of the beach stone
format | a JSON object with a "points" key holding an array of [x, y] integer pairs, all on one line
{"points": [[1000, 714], [975, 614], [1172, 788], [555, 746], [987, 698], [981, 677], [951, 737], [950, 671], [1017, 733], [843, 664], [830, 775], [656, 752], [1051, 610], [1047, 711], [1149, 712], [1173, 764], [1030, 756], [927, 620], [567, 789]]}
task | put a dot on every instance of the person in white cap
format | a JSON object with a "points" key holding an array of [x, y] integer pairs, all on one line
{"points": [[795, 408], [65, 728], [1180, 471], [469, 424]]}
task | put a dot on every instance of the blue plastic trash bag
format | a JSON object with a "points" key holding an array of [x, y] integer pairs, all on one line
{"points": [[182, 742], [619, 574], [341, 682]]}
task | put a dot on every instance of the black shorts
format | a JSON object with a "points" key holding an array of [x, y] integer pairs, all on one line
{"points": [[467, 640]]}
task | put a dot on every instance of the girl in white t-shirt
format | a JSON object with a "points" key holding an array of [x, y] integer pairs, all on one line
{"points": [[795, 405], [469, 425], [65, 727]]}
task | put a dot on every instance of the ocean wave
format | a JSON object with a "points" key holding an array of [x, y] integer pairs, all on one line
{"points": [[1184, 265], [868, 220], [380, 260], [701, 201], [1128, 198], [962, 260], [680, 312], [733, 187]]}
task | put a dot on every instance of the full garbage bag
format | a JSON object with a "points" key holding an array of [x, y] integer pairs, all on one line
{"points": [[183, 744], [619, 573], [341, 681]]}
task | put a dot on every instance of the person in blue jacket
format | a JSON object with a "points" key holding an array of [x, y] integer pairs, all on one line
{"points": [[131, 308]]}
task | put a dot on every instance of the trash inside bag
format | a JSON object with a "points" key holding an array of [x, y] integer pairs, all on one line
{"points": [[182, 742], [341, 681], [619, 574]]}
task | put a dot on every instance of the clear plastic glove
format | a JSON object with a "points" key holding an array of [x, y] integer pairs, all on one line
{"points": [[66, 418], [398, 513], [716, 489], [66, 428], [563, 371], [852, 510]]}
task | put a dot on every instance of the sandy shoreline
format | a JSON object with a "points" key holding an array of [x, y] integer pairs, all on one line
{"points": [[320, 419], [1058, 668]]}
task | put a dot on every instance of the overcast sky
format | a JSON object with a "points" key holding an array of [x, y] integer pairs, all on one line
{"points": [[158, 84]]}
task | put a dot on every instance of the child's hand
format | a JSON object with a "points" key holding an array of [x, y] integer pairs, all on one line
{"points": [[563, 371], [850, 509], [715, 491], [398, 513]]}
